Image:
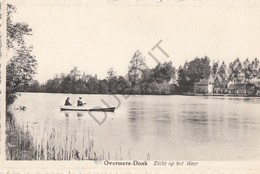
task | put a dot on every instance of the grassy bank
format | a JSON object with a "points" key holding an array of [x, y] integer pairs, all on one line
{"points": [[19, 144], [23, 144]]}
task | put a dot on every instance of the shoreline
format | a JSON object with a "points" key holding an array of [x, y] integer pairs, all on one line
{"points": [[195, 95]]}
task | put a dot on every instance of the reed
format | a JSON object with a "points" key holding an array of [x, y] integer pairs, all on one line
{"points": [[20, 145], [25, 144]]}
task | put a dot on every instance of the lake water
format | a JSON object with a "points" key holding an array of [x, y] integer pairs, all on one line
{"points": [[153, 127]]}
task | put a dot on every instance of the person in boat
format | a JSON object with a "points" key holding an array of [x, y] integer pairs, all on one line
{"points": [[67, 102], [80, 102]]}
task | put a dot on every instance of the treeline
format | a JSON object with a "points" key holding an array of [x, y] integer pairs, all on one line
{"points": [[201, 68], [163, 79], [139, 80]]}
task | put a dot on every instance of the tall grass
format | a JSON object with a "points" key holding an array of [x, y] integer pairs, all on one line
{"points": [[19, 144], [23, 143]]}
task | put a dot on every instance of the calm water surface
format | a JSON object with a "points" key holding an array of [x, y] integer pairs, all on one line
{"points": [[165, 127]]}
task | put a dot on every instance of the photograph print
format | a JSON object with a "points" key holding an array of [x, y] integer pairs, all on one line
{"points": [[132, 81]]}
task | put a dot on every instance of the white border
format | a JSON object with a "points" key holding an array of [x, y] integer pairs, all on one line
{"points": [[90, 166]]}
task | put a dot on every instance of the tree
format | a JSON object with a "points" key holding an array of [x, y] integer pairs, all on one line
{"points": [[75, 73], [182, 81], [112, 81], [113, 85], [222, 72], [103, 86], [53, 86], [163, 72], [147, 76], [66, 84], [34, 86], [235, 71], [247, 70], [214, 71], [136, 68], [92, 84], [123, 84], [0, 42], [197, 69], [255, 66], [15, 30], [20, 70], [78, 87], [22, 65]]}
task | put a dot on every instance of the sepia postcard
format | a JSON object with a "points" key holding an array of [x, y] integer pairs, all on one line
{"points": [[130, 86]]}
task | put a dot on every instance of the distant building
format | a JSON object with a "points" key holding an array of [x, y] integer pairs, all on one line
{"points": [[242, 89], [237, 89], [257, 89], [251, 89], [256, 81], [257, 77], [204, 86], [201, 87], [246, 88], [221, 87]]}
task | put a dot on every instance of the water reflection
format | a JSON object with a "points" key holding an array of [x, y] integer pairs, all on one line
{"points": [[74, 114], [136, 119], [66, 114], [162, 124], [196, 126], [79, 114], [136, 111], [195, 117], [166, 127], [255, 100]]}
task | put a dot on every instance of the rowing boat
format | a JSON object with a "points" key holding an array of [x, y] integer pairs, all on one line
{"points": [[80, 108]]}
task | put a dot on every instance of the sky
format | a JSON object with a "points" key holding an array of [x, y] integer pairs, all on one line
{"points": [[97, 36]]}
